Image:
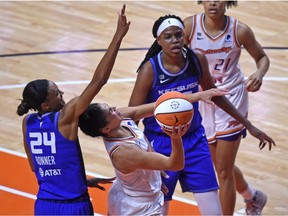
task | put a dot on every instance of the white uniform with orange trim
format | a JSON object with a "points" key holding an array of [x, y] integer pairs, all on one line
{"points": [[139, 192], [223, 53]]}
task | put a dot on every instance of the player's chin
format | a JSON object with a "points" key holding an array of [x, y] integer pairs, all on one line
{"points": [[119, 115], [62, 104], [176, 51]]}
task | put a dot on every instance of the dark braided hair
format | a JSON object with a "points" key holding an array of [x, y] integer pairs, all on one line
{"points": [[229, 3], [92, 120], [34, 94], [156, 48]]}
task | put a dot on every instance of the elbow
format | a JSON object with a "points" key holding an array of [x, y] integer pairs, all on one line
{"points": [[181, 166], [263, 62], [103, 81], [99, 83]]}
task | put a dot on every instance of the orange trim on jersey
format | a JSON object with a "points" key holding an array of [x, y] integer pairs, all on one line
{"points": [[113, 149], [193, 30], [219, 36], [229, 131], [235, 34], [211, 140]]}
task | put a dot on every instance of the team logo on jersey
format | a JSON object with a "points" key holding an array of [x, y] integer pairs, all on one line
{"points": [[213, 51]]}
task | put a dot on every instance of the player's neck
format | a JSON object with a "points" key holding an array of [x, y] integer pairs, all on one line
{"points": [[214, 25], [120, 132]]}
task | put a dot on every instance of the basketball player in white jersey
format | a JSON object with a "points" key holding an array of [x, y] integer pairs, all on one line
{"points": [[221, 38], [137, 189]]}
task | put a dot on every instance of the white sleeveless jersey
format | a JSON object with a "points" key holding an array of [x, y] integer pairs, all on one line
{"points": [[223, 51], [138, 192]]}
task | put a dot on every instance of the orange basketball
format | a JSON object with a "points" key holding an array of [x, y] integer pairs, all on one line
{"points": [[172, 109]]}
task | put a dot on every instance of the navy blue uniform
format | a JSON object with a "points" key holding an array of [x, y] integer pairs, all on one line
{"points": [[198, 175], [59, 168]]}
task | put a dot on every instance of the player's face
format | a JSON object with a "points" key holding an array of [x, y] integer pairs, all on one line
{"points": [[171, 40], [113, 116], [54, 99], [214, 8]]}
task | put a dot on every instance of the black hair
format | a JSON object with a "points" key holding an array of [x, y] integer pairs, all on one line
{"points": [[156, 48], [228, 5], [34, 94], [92, 120]]}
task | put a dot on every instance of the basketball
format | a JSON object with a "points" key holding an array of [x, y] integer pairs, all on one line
{"points": [[173, 109]]}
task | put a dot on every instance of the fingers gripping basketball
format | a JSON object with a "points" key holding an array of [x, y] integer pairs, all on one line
{"points": [[173, 109]]}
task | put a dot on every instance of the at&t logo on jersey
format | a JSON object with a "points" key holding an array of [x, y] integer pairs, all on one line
{"points": [[49, 172]]}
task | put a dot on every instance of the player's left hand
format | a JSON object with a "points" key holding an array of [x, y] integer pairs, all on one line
{"points": [[254, 82], [94, 182], [264, 138]]}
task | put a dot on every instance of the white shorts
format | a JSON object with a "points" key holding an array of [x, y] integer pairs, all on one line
{"points": [[220, 125], [120, 203]]}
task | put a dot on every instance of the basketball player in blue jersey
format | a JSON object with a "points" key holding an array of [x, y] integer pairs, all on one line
{"points": [[137, 189], [50, 137], [220, 38], [170, 65]]}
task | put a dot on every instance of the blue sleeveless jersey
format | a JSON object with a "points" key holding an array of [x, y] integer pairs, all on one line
{"points": [[58, 162], [184, 81]]}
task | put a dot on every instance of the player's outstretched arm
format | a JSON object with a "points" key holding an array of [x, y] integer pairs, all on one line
{"points": [[105, 66], [79, 104], [207, 95]]}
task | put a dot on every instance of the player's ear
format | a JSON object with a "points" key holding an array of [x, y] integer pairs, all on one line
{"points": [[158, 41], [105, 130], [44, 107]]}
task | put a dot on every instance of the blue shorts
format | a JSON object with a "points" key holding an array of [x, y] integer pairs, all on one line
{"points": [[80, 206], [198, 175]]}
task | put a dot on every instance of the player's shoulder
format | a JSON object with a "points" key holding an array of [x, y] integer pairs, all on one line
{"points": [[188, 21], [244, 32], [147, 68], [242, 26]]}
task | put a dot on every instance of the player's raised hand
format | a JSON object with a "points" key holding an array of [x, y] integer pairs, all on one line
{"points": [[123, 24]]}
